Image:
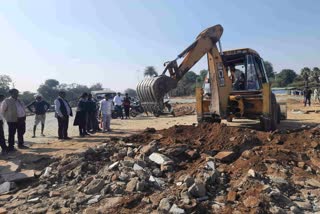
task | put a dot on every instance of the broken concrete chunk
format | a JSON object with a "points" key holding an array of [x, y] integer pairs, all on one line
{"points": [[6, 187], [34, 200], [160, 158], [232, 196], [114, 165], [150, 148], [313, 182], [131, 185], [225, 156], [164, 205], [137, 167], [176, 210], [198, 190], [211, 165], [94, 200], [141, 186], [18, 176], [94, 187], [251, 202], [251, 173], [159, 181], [189, 181]]}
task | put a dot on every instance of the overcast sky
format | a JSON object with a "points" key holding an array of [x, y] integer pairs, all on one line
{"points": [[112, 41]]}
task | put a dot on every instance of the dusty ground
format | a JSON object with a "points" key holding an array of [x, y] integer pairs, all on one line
{"points": [[44, 148], [50, 146]]}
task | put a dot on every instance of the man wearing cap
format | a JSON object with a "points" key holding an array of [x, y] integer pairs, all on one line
{"points": [[40, 107], [63, 112], [14, 112]]}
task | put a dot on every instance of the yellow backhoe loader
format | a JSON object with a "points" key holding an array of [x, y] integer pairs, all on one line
{"points": [[236, 86]]}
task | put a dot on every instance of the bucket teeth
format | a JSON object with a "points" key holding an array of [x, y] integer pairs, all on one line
{"points": [[151, 92]]}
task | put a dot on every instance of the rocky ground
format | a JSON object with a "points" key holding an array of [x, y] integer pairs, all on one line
{"points": [[208, 168]]}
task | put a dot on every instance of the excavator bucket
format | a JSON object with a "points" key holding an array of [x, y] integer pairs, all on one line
{"points": [[152, 90]]}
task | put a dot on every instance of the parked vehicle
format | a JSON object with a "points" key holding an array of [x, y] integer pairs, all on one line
{"points": [[136, 109]]}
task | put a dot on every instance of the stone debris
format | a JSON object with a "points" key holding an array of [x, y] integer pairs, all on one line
{"points": [[6, 187], [164, 205], [225, 156], [188, 169], [160, 158], [198, 190], [95, 199], [176, 210]]}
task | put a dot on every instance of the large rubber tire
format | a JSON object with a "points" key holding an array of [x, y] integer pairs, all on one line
{"points": [[156, 114]]}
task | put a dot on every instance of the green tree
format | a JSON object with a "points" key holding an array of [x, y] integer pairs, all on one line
{"points": [[52, 83], [285, 77], [49, 90], [27, 97], [305, 73], [269, 69], [316, 74], [150, 71], [5, 82], [131, 92], [96, 87], [186, 86]]}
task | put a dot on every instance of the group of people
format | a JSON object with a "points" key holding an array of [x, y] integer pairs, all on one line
{"points": [[307, 92], [13, 111], [89, 112]]}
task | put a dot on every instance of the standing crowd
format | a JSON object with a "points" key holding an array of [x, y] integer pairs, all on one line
{"points": [[90, 116], [307, 92]]}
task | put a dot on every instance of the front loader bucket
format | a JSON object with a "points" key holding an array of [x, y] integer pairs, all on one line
{"points": [[152, 90]]}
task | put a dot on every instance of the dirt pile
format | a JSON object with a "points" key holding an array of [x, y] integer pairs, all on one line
{"points": [[180, 109], [210, 168]]}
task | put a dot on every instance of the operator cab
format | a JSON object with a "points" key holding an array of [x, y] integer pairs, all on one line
{"points": [[246, 69]]}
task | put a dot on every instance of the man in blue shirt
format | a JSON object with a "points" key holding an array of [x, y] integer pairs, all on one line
{"points": [[40, 107]]}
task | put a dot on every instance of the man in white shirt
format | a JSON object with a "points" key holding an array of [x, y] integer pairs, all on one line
{"points": [[2, 139], [14, 112], [62, 111], [106, 107], [117, 100]]}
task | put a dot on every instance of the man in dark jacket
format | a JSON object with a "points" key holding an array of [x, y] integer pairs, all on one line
{"points": [[40, 107], [62, 112], [92, 124], [307, 96]]}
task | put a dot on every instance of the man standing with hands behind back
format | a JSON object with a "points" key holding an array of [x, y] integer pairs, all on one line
{"points": [[14, 112], [63, 111]]}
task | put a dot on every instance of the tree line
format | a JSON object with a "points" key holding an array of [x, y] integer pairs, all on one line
{"points": [[50, 88]]}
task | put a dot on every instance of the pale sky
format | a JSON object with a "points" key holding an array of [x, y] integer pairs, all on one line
{"points": [[112, 41]]}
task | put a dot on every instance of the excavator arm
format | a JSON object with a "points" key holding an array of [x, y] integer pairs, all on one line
{"points": [[151, 91]]}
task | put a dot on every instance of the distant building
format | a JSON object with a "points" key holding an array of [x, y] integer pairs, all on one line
{"points": [[287, 91]]}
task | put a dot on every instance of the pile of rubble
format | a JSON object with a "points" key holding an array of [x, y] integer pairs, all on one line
{"points": [[180, 109], [209, 168]]}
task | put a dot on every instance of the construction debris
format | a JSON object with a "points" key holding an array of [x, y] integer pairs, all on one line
{"points": [[251, 173]]}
